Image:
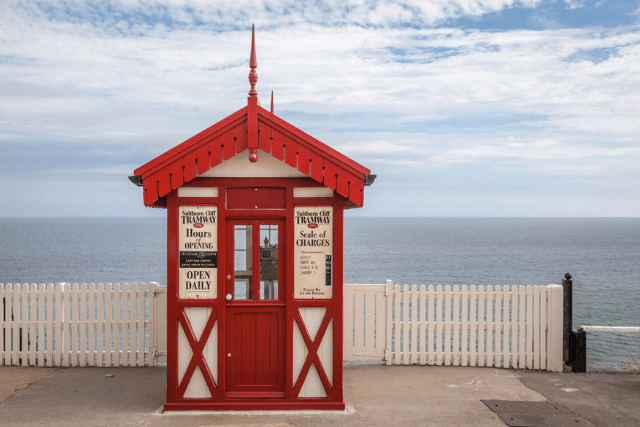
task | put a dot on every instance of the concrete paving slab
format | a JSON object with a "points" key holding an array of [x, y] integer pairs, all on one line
{"points": [[16, 378], [604, 399], [378, 396]]}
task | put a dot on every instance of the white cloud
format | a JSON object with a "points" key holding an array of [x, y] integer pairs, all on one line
{"points": [[574, 4], [555, 102], [229, 14]]}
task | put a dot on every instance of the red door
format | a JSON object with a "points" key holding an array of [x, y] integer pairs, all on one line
{"points": [[255, 308]]}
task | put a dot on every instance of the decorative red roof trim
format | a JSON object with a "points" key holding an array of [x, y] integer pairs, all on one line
{"points": [[251, 128], [232, 135]]}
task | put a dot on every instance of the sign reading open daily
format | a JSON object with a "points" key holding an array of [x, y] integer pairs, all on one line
{"points": [[313, 252], [198, 247]]}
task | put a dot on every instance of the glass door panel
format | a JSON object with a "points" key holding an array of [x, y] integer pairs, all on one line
{"points": [[243, 261], [268, 261]]}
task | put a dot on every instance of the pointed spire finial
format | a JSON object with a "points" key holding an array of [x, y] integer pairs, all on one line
{"points": [[272, 110], [253, 64]]}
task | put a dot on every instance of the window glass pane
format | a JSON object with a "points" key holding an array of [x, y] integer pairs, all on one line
{"points": [[242, 289], [269, 261], [241, 236], [270, 232], [242, 262], [269, 289]]}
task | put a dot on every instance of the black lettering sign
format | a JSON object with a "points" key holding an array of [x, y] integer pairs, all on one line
{"points": [[328, 270], [198, 259]]}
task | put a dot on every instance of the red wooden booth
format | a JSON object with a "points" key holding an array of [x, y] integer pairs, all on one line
{"points": [[254, 262]]}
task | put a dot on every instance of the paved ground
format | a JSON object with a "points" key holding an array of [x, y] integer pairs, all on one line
{"points": [[376, 396], [605, 399], [15, 378]]}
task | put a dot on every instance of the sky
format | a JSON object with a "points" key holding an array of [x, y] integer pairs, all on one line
{"points": [[463, 108]]}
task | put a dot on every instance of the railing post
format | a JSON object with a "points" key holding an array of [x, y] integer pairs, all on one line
{"points": [[579, 362], [567, 318]]}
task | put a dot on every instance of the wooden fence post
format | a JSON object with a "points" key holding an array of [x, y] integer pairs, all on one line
{"points": [[555, 325], [158, 320], [567, 319], [388, 294]]}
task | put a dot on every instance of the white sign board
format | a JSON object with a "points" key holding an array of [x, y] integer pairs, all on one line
{"points": [[313, 252], [198, 252]]}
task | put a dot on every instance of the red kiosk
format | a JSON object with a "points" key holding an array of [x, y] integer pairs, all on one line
{"points": [[254, 262]]}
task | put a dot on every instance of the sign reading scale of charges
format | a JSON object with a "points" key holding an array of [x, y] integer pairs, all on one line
{"points": [[198, 246], [313, 240]]}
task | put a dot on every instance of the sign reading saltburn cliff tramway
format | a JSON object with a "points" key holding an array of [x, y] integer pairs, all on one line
{"points": [[313, 239], [198, 245]]}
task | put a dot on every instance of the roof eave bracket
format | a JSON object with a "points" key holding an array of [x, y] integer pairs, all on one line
{"points": [[136, 179]]}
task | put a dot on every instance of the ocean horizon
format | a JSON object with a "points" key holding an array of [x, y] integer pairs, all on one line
{"points": [[602, 254]]}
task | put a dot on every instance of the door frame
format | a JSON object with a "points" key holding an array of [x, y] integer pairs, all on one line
{"points": [[235, 306]]}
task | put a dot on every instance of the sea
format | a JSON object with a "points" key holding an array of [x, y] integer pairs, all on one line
{"points": [[602, 255]]}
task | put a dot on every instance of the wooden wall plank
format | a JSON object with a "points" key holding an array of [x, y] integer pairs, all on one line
{"points": [[397, 295], [498, 327], [388, 323], [91, 296], [543, 326], [481, 325], [431, 332], [490, 324], [82, 310], [473, 326], [424, 336], [456, 326], [358, 323], [31, 329], [130, 347], [439, 316], [447, 324], [49, 325], [529, 336], [521, 327], [140, 326], [464, 356], [536, 327], [370, 322], [405, 325]]}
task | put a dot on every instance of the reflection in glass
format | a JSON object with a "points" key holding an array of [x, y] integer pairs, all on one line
{"points": [[242, 289], [269, 289], [242, 262], [268, 261]]}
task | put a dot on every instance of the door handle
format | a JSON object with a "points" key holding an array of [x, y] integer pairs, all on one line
{"points": [[229, 297]]}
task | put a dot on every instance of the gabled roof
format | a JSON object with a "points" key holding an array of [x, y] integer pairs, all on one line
{"points": [[251, 128]]}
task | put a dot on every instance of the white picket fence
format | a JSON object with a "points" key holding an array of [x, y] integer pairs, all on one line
{"points": [[508, 327], [82, 325], [114, 325]]}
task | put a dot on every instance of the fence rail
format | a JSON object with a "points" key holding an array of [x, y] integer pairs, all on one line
{"points": [[509, 327], [82, 325]]}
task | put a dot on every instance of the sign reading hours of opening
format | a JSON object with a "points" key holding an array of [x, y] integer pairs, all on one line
{"points": [[198, 246], [313, 240]]}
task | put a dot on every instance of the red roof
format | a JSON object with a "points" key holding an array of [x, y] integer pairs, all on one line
{"points": [[252, 128], [230, 136]]}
